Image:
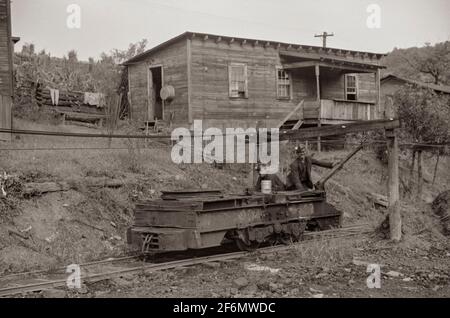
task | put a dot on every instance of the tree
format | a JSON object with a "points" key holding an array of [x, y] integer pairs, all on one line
{"points": [[435, 61], [120, 56], [427, 64], [426, 120], [72, 56]]}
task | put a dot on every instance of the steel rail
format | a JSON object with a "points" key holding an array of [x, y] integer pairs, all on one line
{"points": [[354, 230], [47, 271]]}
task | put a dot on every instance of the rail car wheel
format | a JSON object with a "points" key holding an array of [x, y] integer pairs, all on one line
{"points": [[244, 246], [243, 241]]}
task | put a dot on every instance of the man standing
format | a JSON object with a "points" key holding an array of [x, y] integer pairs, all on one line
{"points": [[299, 177]]}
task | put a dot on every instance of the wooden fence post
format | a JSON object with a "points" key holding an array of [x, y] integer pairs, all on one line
{"points": [[395, 221]]}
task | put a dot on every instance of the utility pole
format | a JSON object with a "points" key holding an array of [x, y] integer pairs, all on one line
{"points": [[324, 36]]}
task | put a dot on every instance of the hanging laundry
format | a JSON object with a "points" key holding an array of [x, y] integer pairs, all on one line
{"points": [[94, 99], [54, 94]]}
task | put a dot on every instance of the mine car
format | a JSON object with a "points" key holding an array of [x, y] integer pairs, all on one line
{"points": [[184, 220]]}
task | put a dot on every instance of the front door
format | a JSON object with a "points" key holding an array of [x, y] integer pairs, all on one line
{"points": [[155, 103]]}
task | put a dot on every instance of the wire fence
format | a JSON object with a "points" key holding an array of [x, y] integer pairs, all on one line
{"points": [[324, 140]]}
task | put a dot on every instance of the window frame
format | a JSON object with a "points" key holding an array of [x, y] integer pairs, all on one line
{"points": [[356, 87], [230, 90], [278, 83]]}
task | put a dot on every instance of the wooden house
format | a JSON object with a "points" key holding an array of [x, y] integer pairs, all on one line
{"points": [[391, 83], [6, 68], [238, 82]]}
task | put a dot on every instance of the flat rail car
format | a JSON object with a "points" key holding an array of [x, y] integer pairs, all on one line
{"points": [[184, 220]]}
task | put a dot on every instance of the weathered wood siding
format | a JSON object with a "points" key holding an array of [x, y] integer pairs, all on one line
{"points": [[201, 63], [333, 86], [5, 116], [210, 99], [6, 74], [6, 71], [174, 63], [366, 87]]}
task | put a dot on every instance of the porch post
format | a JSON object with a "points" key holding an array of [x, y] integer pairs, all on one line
{"points": [[317, 71], [378, 113]]}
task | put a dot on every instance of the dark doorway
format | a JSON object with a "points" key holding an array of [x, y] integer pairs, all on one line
{"points": [[155, 85]]}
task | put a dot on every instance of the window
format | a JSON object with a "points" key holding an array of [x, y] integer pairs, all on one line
{"points": [[351, 87], [238, 80], [283, 84]]}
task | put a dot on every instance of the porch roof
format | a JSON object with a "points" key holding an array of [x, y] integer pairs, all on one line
{"points": [[300, 60]]}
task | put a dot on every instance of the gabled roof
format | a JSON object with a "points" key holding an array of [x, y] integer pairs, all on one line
{"points": [[315, 49], [435, 87]]}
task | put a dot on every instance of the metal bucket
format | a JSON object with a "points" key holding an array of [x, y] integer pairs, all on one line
{"points": [[266, 186]]}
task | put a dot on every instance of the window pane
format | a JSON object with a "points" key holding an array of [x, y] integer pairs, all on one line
{"points": [[237, 81], [283, 84]]}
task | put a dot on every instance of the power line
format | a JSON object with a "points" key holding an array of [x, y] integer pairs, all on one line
{"points": [[229, 18]]}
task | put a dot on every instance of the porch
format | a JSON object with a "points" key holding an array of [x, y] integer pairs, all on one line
{"points": [[337, 111], [333, 90]]}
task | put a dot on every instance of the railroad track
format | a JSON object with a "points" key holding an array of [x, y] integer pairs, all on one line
{"points": [[52, 280]]}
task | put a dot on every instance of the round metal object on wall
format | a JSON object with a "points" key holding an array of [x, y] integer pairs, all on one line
{"points": [[167, 93]]}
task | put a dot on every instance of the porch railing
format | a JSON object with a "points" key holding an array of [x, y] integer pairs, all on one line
{"points": [[329, 109]]}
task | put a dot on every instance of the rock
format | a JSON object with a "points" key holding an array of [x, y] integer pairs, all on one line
{"points": [[240, 282], [436, 288], [212, 265], [252, 289], [256, 267], [83, 290], [287, 281], [263, 285], [321, 275], [348, 270], [407, 279], [119, 281], [313, 290], [101, 294], [273, 287], [233, 291], [317, 296], [393, 274], [113, 224], [351, 282], [53, 293], [359, 262]]}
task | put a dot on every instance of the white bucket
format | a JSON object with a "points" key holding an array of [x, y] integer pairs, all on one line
{"points": [[266, 186]]}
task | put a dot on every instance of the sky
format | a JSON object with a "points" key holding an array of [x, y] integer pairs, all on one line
{"points": [[110, 24]]}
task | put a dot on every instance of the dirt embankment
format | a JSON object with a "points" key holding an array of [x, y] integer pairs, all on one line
{"points": [[84, 223]]}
